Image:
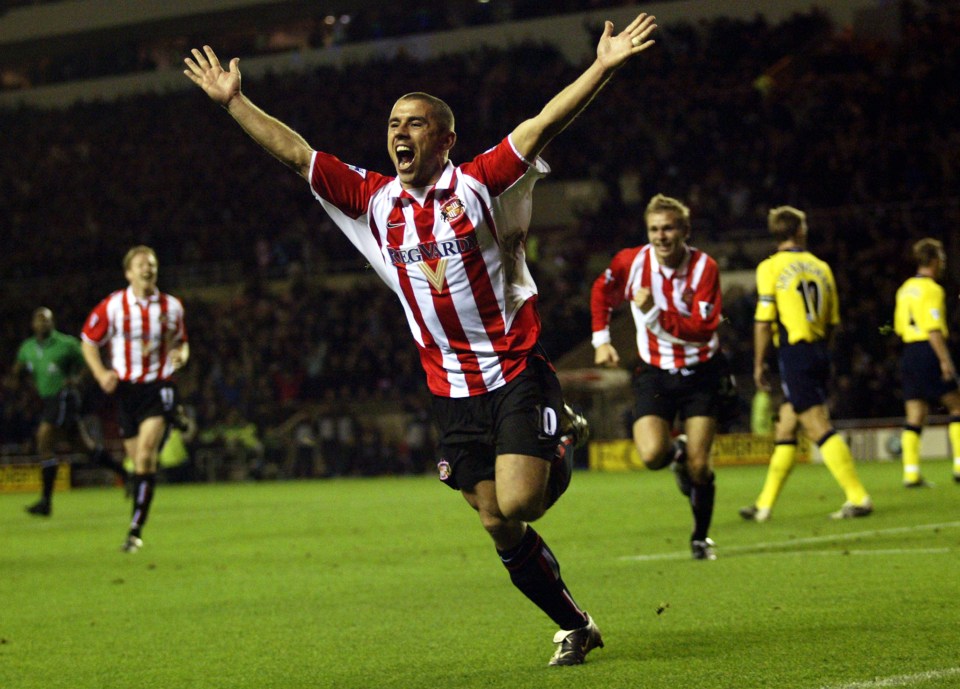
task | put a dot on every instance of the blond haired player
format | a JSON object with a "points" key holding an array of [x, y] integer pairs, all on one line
{"points": [[797, 309], [146, 339], [674, 295]]}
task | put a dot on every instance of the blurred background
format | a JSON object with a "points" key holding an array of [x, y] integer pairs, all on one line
{"points": [[302, 364]]}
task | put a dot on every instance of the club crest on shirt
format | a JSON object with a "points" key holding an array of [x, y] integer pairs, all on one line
{"points": [[452, 209]]}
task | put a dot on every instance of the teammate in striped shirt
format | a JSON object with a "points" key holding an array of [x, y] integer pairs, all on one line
{"points": [[55, 362], [797, 309], [147, 342], [674, 295], [927, 369], [449, 241]]}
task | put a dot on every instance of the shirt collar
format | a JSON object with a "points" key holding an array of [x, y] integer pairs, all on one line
{"points": [[679, 271], [152, 299], [445, 183]]}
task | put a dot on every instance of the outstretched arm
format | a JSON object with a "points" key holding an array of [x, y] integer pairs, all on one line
{"points": [[223, 87], [531, 136]]}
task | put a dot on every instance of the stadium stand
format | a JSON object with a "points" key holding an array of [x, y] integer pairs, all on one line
{"points": [[731, 114]]}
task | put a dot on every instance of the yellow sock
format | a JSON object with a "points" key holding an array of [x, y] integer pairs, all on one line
{"points": [[910, 446], [781, 463], [953, 431], [837, 457]]}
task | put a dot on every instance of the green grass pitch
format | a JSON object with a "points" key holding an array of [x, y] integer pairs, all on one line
{"points": [[391, 583]]}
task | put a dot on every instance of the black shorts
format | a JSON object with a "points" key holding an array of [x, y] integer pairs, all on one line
{"points": [[804, 371], [139, 401], [920, 372], [689, 391], [522, 417], [63, 409]]}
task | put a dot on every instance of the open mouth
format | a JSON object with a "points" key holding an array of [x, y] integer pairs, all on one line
{"points": [[404, 157]]}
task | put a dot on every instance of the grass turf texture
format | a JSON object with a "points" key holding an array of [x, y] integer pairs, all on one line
{"points": [[392, 583]]}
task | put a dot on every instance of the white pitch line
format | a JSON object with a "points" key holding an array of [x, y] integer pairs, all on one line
{"points": [[886, 551], [899, 680], [759, 547]]}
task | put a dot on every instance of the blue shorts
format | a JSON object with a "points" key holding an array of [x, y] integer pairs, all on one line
{"points": [[804, 371], [920, 373]]}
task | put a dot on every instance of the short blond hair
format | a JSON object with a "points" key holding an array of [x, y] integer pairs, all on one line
{"points": [[927, 250], [666, 204], [786, 222], [139, 249]]}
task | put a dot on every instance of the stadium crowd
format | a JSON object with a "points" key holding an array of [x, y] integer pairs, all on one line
{"points": [[314, 27], [731, 116]]}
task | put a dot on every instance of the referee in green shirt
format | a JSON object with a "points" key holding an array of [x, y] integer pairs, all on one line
{"points": [[55, 362]]}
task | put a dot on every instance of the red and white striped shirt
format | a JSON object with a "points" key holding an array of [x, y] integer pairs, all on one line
{"points": [[140, 332], [454, 255], [680, 329]]}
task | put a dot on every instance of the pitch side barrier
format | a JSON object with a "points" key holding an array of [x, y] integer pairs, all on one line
{"points": [[870, 440], [21, 473]]}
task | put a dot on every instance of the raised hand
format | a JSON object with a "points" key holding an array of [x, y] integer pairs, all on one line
{"points": [[205, 71], [613, 51]]}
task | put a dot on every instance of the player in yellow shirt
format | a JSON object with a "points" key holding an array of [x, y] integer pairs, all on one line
{"points": [[797, 309], [926, 366]]}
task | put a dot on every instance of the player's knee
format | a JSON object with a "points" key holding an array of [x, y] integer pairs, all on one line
{"points": [[492, 523], [525, 507], [655, 457], [701, 475], [504, 532]]}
